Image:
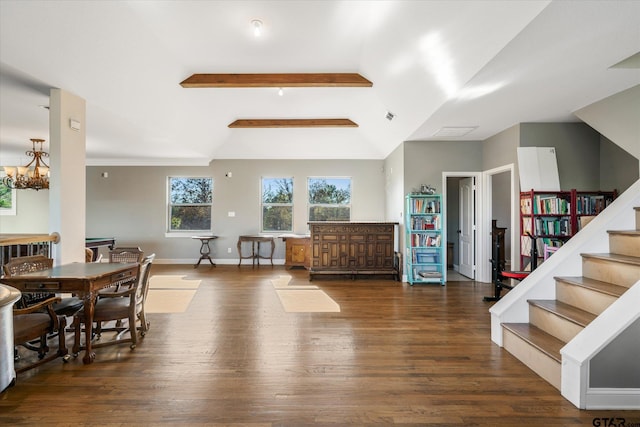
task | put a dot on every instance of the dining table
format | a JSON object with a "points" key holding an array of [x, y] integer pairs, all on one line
{"points": [[81, 279]]}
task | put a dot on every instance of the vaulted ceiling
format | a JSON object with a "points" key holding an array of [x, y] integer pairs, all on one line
{"points": [[480, 65]]}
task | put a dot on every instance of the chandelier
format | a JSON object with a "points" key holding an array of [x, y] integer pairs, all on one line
{"points": [[34, 175]]}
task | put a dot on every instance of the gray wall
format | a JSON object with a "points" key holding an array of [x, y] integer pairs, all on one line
{"points": [[618, 168], [617, 364], [577, 151], [131, 203], [424, 161], [501, 149], [618, 118], [32, 213]]}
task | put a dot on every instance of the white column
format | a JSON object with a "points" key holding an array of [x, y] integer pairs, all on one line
{"points": [[67, 194]]}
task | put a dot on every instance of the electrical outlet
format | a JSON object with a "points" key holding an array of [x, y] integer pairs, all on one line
{"points": [[231, 213], [228, 250]]}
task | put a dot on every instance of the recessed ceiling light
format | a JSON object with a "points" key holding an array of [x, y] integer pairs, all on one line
{"points": [[454, 131], [257, 27]]}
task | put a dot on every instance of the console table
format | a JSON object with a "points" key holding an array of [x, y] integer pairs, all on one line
{"points": [[353, 248], [205, 250], [255, 240]]}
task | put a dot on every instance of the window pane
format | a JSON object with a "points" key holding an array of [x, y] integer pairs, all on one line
{"points": [[329, 213], [277, 190], [277, 218], [190, 218], [191, 190], [330, 191]]}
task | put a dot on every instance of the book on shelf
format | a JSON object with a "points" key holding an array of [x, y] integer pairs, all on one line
{"points": [[425, 240], [430, 222], [551, 204], [592, 204], [430, 274], [425, 205]]}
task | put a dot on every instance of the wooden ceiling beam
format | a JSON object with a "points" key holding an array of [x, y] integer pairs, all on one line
{"points": [[276, 80], [292, 123]]}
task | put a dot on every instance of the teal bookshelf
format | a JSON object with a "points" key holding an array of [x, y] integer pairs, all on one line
{"points": [[424, 255]]}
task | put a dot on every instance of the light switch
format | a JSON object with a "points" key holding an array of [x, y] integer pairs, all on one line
{"points": [[231, 213]]}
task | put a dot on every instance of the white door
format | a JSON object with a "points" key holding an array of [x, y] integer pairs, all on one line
{"points": [[467, 232]]}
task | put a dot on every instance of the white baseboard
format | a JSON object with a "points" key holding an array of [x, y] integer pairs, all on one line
{"points": [[609, 398], [219, 261]]}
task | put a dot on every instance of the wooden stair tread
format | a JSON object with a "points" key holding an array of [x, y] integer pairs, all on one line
{"points": [[566, 311], [546, 343], [625, 232], [625, 259], [596, 285]]}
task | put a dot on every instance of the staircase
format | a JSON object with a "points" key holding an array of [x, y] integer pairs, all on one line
{"points": [[578, 301]]}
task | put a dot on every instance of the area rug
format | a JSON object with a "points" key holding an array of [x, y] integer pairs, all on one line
{"points": [[170, 294], [172, 282], [168, 300], [307, 301], [284, 282]]}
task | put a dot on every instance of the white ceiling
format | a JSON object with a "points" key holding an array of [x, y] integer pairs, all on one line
{"points": [[434, 64]]}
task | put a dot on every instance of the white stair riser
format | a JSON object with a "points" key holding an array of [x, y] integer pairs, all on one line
{"points": [[624, 244], [586, 299], [613, 272], [552, 324], [537, 361]]}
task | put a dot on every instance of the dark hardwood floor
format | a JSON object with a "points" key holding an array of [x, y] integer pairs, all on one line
{"points": [[394, 355]]}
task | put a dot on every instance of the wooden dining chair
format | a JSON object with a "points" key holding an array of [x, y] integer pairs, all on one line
{"points": [[126, 255], [123, 255], [124, 304], [34, 317]]}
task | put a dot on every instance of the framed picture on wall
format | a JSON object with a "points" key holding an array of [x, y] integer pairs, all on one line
{"points": [[7, 198]]}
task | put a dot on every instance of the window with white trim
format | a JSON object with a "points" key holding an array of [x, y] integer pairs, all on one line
{"points": [[190, 204], [277, 204], [329, 199]]}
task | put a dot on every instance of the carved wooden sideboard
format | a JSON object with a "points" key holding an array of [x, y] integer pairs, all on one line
{"points": [[353, 248]]}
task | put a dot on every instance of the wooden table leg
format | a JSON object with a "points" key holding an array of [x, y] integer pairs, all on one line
{"points": [[89, 305], [273, 248], [255, 258]]}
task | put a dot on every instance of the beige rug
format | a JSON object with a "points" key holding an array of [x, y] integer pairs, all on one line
{"points": [[303, 298], [172, 282], [307, 301], [170, 294], [284, 282]]}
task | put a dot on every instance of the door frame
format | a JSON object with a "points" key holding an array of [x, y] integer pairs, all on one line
{"points": [[487, 178], [481, 271]]}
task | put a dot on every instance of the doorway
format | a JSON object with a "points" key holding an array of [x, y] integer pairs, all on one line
{"points": [[461, 196], [499, 204]]}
